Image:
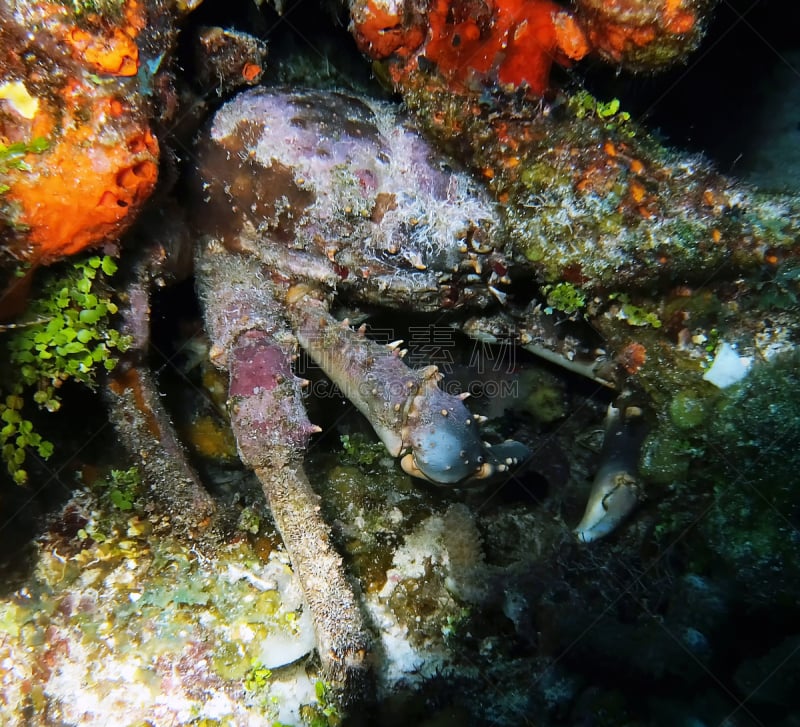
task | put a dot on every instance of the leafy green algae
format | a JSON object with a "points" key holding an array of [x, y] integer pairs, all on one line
{"points": [[66, 336], [565, 297], [12, 156]]}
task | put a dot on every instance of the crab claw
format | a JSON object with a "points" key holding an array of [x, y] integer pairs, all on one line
{"points": [[616, 489], [435, 434], [445, 445]]}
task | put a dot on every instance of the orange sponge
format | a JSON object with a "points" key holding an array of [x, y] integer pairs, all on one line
{"points": [[513, 42], [81, 191]]}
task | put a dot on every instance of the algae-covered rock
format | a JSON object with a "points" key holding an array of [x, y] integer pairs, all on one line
{"points": [[754, 441], [687, 411], [180, 636], [591, 198]]}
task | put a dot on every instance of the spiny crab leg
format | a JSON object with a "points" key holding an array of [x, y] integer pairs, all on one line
{"points": [[547, 336], [272, 431], [434, 432], [264, 393], [616, 489]]}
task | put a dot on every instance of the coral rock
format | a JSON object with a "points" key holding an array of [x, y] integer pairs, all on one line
{"points": [[642, 34], [515, 42]]}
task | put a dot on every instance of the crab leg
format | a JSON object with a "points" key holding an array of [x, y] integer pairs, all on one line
{"points": [[142, 423], [272, 430], [548, 336], [436, 435]]}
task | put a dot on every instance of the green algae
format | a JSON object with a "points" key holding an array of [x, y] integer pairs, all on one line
{"points": [[543, 396], [230, 662], [12, 156], [666, 457], [109, 9], [361, 451], [67, 336], [582, 104], [781, 289], [565, 297], [634, 315], [257, 676], [538, 176], [124, 486], [12, 618]]}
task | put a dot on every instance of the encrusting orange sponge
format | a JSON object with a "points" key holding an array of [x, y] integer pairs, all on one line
{"points": [[114, 52], [513, 42], [92, 159], [643, 34], [83, 192]]}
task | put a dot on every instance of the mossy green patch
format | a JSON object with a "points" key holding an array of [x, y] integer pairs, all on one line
{"points": [[327, 712], [752, 461], [123, 487], [781, 290], [543, 395], [565, 297], [687, 410], [361, 451], [584, 105], [110, 9], [539, 175], [12, 156], [230, 661], [634, 315], [666, 456], [257, 676]]}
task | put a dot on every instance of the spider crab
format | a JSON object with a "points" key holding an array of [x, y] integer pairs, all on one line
{"points": [[303, 197]]}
